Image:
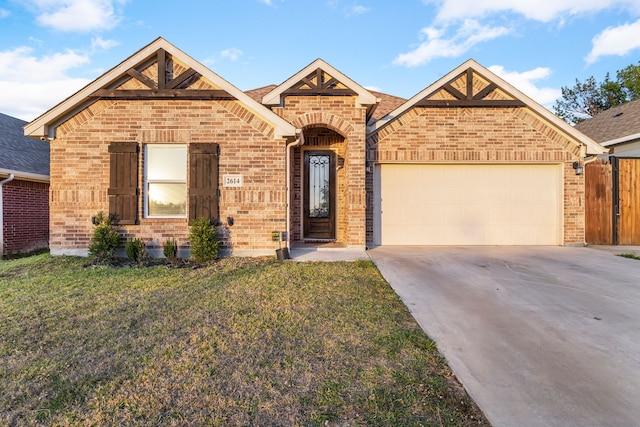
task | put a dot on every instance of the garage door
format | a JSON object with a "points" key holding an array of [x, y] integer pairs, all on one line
{"points": [[468, 204]]}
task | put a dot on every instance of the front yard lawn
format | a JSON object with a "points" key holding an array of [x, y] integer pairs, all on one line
{"points": [[240, 342]]}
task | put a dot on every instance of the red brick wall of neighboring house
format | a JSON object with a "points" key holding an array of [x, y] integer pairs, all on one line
{"points": [[25, 209], [80, 170], [482, 135]]}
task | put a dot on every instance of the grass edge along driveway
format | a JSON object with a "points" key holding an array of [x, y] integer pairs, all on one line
{"points": [[243, 341]]}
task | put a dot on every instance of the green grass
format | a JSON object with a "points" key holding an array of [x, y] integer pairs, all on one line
{"points": [[240, 342], [631, 256]]}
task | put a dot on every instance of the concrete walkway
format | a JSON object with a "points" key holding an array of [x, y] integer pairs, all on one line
{"points": [[302, 254], [539, 336]]}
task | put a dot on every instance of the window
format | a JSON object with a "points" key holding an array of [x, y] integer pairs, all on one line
{"points": [[166, 181]]}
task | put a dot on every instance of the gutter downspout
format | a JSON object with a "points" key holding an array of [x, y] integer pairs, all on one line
{"points": [[298, 142], [3, 182]]}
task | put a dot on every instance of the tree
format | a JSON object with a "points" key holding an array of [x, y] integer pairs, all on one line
{"points": [[629, 78], [585, 100]]}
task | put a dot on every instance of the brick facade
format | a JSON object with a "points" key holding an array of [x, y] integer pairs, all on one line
{"points": [[80, 170], [481, 135], [25, 216], [335, 123], [463, 118]]}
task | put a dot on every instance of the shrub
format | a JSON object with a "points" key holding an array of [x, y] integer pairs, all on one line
{"points": [[203, 237], [105, 240], [170, 250], [136, 250]]}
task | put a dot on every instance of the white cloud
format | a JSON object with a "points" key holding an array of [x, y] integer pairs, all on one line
{"points": [[233, 54], [98, 43], [545, 11], [373, 88], [4, 13], [615, 41], [31, 85], [437, 45], [525, 83], [77, 15], [357, 10]]}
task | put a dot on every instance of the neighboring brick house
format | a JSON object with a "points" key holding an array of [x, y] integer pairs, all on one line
{"points": [[318, 157], [24, 189]]}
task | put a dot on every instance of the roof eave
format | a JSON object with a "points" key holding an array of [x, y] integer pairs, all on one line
{"points": [[622, 140], [26, 176]]}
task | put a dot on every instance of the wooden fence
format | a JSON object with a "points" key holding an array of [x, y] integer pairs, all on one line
{"points": [[612, 193]]}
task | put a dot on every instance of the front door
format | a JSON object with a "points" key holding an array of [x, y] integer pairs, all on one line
{"points": [[319, 195]]}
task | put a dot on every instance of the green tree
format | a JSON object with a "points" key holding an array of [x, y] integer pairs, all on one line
{"points": [[586, 99], [629, 79]]}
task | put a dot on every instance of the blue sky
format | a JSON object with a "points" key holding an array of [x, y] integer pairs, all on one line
{"points": [[51, 48]]}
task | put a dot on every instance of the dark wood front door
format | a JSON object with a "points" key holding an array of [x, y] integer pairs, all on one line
{"points": [[319, 195]]}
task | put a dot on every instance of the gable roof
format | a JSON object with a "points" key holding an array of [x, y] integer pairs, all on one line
{"points": [[321, 78], [386, 102], [257, 93], [497, 92], [614, 126], [26, 158], [46, 123]]}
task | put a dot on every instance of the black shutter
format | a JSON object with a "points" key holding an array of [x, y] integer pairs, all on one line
{"points": [[123, 182], [203, 182]]}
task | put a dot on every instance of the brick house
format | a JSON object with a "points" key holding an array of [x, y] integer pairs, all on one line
{"points": [[24, 189], [468, 160]]}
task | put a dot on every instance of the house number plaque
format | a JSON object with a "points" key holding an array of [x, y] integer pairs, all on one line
{"points": [[236, 180]]}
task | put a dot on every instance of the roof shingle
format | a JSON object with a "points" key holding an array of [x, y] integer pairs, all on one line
{"points": [[21, 153], [614, 123]]}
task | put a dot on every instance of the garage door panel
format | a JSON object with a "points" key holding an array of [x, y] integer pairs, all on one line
{"points": [[470, 204]]}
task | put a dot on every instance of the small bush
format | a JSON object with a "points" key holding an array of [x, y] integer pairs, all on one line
{"points": [[170, 250], [136, 250], [203, 237], [105, 240]]}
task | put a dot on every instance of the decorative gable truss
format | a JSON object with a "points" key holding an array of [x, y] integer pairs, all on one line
{"points": [[160, 77], [319, 83], [321, 79], [160, 71], [469, 89]]}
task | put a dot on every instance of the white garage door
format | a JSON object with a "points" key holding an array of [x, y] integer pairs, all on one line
{"points": [[468, 204]]}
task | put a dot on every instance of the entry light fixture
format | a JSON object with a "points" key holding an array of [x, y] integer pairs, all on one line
{"points": [[578, 167]]}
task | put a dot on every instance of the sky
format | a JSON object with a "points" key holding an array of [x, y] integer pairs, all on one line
{"points": [[49, 49]]}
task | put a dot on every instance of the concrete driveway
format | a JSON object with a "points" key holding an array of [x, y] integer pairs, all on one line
{"points": [[539, 336]]}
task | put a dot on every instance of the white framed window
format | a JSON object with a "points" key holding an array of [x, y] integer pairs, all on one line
{"points": [[165, 181]]}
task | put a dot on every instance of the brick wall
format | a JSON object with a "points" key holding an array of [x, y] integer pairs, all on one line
{"points": [[339, 114], [80, 170], [487, 135], [25, 211]]}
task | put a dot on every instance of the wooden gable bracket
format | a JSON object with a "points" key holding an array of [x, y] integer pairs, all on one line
{"points": [[165, 88], [320, 87], [468, 99]]}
